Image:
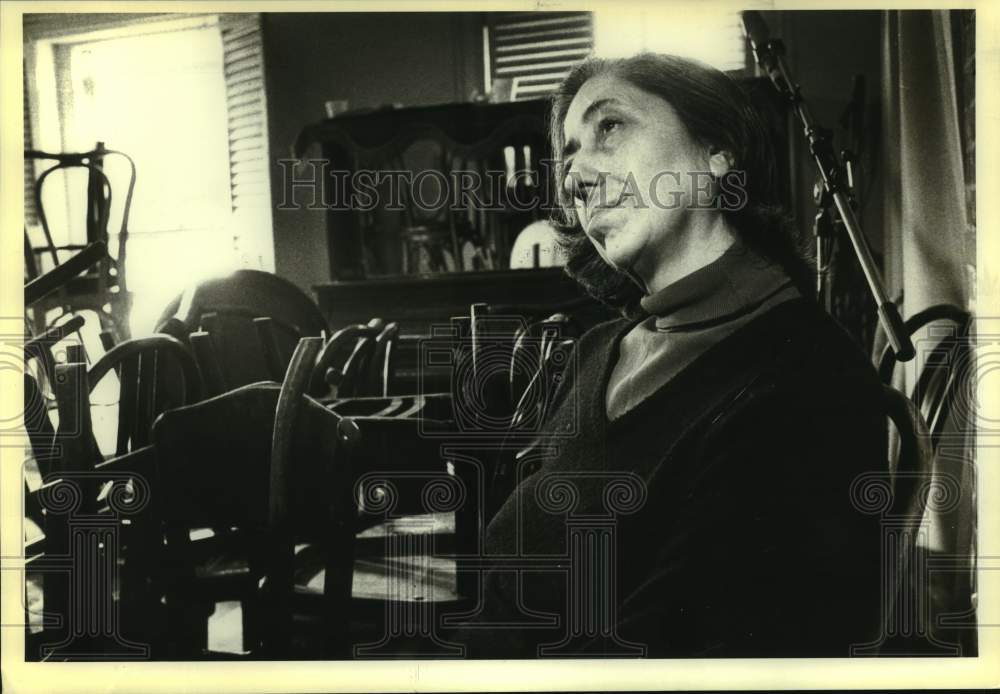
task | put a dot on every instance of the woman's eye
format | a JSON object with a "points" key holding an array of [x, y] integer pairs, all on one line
{"points": [[608, 125]]}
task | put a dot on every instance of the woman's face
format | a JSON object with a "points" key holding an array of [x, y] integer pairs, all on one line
{"points": [[633, 171]]}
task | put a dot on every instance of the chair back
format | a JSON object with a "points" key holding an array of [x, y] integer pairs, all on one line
{"points": [[380, 380], [138, 364], [913, 465], [105, 290], [228, 310], [355, 373], [265, 461], [82, 507], [941, 397], [533, 347], [912, 606], [341, 359]]}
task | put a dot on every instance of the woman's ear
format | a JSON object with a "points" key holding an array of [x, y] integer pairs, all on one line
{"points": [[719, 161]]}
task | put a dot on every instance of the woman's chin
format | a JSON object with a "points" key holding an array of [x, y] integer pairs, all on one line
{"points": [[621, 259]]}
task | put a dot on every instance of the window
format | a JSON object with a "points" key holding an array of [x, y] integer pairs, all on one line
{"points": [[246, 113], [713, 36], [179, 96], [531, 52]]}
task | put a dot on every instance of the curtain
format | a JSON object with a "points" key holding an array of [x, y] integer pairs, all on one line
{"points": [[929, 232], [925, 209]]}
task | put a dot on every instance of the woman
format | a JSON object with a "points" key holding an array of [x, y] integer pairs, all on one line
{"points": [[691, 496]]}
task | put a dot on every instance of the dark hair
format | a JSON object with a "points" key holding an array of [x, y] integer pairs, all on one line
{"points": [[716, 111]]}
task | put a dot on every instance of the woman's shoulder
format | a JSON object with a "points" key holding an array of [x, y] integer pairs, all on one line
{"points": [[793, 361], [828, 353], [809, 362]]}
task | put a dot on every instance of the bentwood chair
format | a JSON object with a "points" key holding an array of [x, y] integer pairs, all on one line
{"points": [[378, 381], [137, 364], [947, 547], [103, 290], [265, 461], [945, 365], [73, 467], [243, 327], [357, 361], [413, 526]]}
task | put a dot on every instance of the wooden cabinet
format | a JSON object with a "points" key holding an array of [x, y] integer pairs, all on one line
{"points": [[426, 190]]}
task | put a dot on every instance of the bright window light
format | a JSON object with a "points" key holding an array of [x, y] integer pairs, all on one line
{"points": [[711, 35], [160, 97]]}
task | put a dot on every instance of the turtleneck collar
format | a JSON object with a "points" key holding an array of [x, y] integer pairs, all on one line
{"points": [[735, 283]]}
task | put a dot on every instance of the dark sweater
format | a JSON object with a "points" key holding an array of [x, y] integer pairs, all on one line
{"points": [[723, 497]]}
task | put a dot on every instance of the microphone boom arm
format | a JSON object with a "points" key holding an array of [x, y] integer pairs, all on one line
{"points": [[770, 55]]}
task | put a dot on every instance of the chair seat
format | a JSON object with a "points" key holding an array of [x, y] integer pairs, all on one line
{"points": [[415, 574], [227, 565], [432, 406], [418, 524], [412, 577]]}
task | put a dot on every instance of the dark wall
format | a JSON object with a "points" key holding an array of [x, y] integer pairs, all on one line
{"points": [[369, 59], [825, 49]]}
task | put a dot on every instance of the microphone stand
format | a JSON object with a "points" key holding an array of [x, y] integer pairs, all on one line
{"points": [[823, 232], [770, 55]]}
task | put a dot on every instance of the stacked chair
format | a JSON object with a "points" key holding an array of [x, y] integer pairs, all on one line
{"points": [[242, 327], [219, 493], [102, 287], [74, 489], [933, 609]]}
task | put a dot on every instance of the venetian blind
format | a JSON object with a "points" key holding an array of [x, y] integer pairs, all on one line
{"points": [[30, 213], [536, 50], [247, 111], [246, 104]]}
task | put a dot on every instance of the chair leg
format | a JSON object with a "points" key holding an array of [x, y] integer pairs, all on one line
{"points": [[280, 554], [252, 623]]}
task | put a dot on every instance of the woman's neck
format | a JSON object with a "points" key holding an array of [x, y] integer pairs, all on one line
{"points": [[699, 246]]}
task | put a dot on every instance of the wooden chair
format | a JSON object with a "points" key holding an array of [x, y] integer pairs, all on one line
{"points": [[412, 530], [534, 347], [263, 460], [40, 344], [342, 363], [72, 466], [943, 584], [105, 290], [354, 375], [900, 496], [77, 561], [137, 364], [248, 325], [379, 380], [410, 541], [945, 366], [540, 356], [40, 347]]}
